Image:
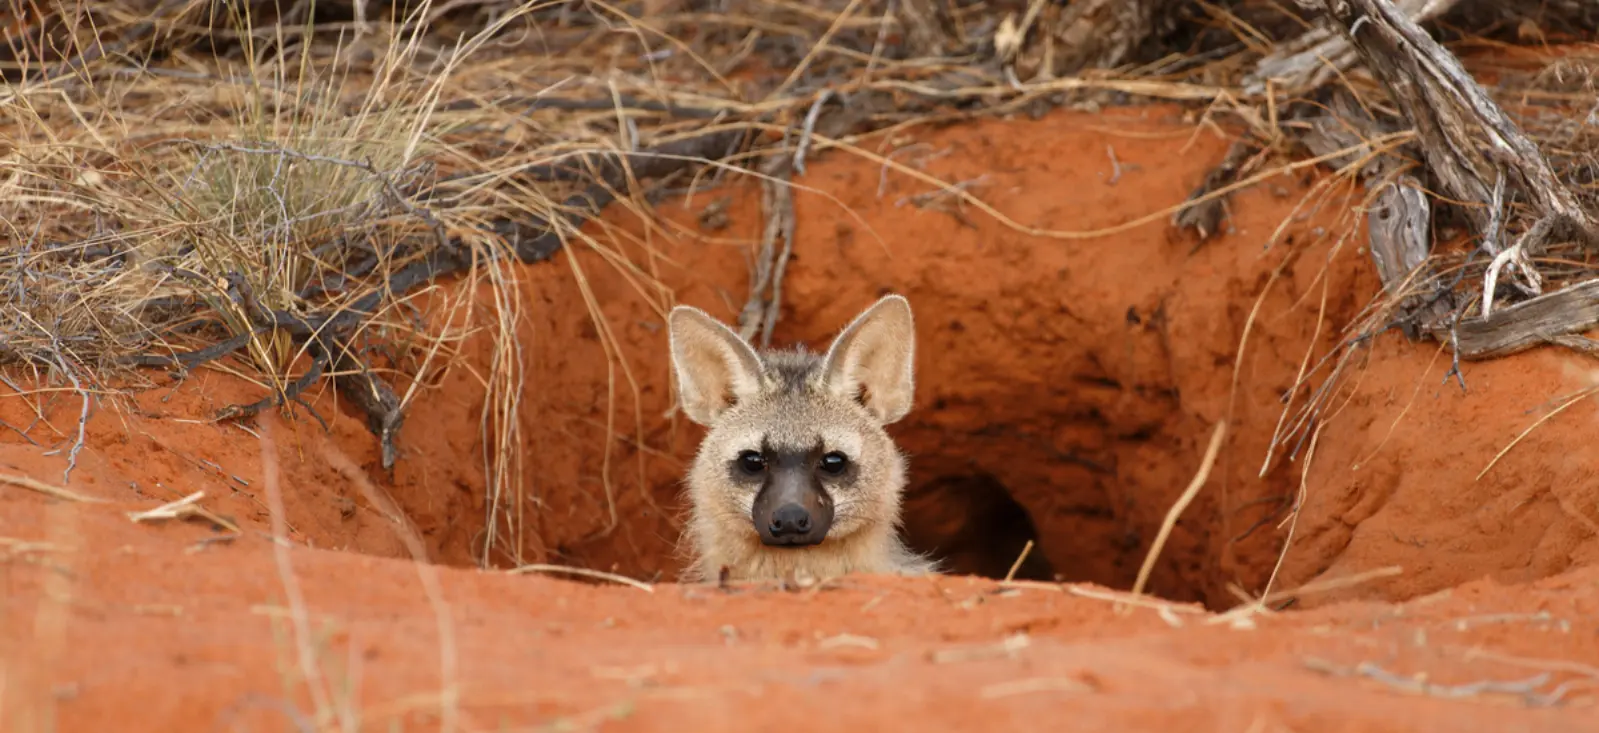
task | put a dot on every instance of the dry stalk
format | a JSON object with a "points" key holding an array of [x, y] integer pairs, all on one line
{"points": [[583, 572], [185, 508], [50, 490], [1021, 557], [1176, 510]]}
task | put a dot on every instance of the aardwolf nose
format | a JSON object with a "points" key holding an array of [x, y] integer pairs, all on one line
{"points": [[790, 520]]}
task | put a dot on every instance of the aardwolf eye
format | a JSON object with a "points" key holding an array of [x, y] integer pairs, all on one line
{"points": [[752, 462], [834, 463]]}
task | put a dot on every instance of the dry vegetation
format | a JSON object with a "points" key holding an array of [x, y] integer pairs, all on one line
{"points": [[268, 188]]}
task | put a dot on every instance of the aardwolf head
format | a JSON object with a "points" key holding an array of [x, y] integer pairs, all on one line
{"points": [[795, 470]]}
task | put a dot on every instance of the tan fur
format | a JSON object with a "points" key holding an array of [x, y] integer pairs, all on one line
{"points": [[795, 399]]}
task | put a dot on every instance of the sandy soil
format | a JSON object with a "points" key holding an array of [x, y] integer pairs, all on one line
{"points": [[1067, 386]]}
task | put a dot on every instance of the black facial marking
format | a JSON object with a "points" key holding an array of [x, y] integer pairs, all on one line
{"points": [[799, 464], [758, 468], [792, 508]]}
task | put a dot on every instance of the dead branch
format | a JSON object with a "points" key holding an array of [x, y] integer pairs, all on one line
{"points": [[1320, 54], [1399, 230], [1399, 217], [372, 394], [1466, 138], [185, 361], [1481, 157], [291, 393], [761, 311], [1106, 33], [1542, 320], [1205, 216]]}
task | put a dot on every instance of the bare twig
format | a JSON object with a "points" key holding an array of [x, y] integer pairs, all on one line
{"points": [[32, 484], [1020, 558], [809, 129], [1170, 523], [83, 414], [185, 508], [582, 572], [761, 311]]}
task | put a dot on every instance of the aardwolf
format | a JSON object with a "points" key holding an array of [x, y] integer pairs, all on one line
{"points": [[796, 475]]}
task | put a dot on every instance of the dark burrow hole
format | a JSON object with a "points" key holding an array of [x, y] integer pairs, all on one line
{"points": [[1089, 532], [972, 525]]}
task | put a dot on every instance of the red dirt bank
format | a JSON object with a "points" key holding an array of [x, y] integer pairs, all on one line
{"points": [[1083, 375], [156, 638]]}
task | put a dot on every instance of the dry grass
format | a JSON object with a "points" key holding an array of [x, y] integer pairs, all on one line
{"points": [[262, 172], [203, 180]]}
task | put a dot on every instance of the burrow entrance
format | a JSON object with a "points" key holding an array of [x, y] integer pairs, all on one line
{"points": [[1065, 388], [1073, 420]]}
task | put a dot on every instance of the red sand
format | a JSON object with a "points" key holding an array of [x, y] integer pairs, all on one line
{"points": [[1083, 375]]}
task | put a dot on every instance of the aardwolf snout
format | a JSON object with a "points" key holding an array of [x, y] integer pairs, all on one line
{"points": [[792, 508]]}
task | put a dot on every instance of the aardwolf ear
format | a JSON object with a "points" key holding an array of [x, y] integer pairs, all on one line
{"points": [[876, 352], [714, 367]]}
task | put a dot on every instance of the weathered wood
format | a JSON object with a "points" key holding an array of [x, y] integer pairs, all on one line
{"points": [[1399, 218], [1345, 129], [1398, 223], [1482, 160], [1548, 318], [1320, 54], [1577, 343], [1106, 33], [1466, 138], [1399, 233]]}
